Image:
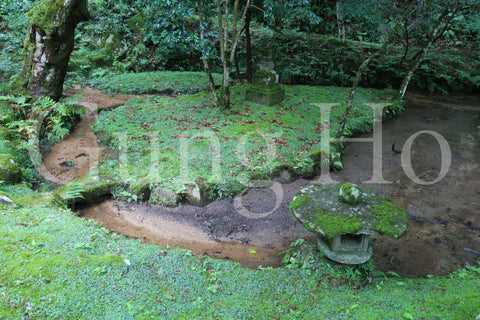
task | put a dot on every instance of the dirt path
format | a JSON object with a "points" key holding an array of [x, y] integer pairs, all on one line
{"points": [[76, 155], [217, 230]]}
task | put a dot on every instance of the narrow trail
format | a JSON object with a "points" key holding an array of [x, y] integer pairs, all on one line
{"points": [[76, 155]]}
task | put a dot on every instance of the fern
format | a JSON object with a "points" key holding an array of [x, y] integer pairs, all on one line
{"points": [[74, 191]]}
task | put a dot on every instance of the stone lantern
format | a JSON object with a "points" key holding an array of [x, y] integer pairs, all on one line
{"points": [[265, 88], [344, 217]]}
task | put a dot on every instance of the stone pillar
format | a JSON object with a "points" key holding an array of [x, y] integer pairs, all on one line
{"points": [[265, 88]]}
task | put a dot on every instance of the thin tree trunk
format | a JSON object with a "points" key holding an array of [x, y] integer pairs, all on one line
{"points": [[223, 32], [227, 52], [340, 23], [206, 65], [419, 57], [362, 67], [248, 19], [407, 40], [408, 77], [48, 46]]}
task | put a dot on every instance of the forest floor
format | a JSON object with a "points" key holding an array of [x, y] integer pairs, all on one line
{"points": [[220, 231], [57, 265]]}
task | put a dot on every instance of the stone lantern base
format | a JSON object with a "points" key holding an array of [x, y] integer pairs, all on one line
{"points": [[347, 248]]}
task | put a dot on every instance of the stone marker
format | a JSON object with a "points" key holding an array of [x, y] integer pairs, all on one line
{"points": [[344, 217], [265, 88]]}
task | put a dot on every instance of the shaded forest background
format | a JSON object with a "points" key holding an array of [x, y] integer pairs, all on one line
{"points": [[305, 37]]}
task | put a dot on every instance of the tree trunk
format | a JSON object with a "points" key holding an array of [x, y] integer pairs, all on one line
{"points": [[248, 19], [419, 57], [48, 46], [228, 44], [340, 23], [206, 64], [362, 68]]}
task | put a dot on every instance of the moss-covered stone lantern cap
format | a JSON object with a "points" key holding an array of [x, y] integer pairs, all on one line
{"points": [[322, 209]]}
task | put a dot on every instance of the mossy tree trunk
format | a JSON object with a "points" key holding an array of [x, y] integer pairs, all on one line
{"points": [[48, 46]]}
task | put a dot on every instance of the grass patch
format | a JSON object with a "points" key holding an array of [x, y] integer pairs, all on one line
{"points": [[56, 265], [171, 141], [160, 82]]}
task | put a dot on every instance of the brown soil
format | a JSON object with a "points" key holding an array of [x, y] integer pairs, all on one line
{"points": [[216, 230], [444, 227], [444, 218], [76, 155]]}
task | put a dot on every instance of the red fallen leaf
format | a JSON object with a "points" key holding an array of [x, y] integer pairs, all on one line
{"points": [[313, 294], [164, 253]]}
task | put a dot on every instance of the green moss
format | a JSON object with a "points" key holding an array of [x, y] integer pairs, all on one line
{"points": [[350, 193], [89, 189], [337, 224], [8, 197], [164, 82], [95, 190], [298, 202], [4, 132], [320, 158], [286, 167], [265, 78], [44, 13], [390, 219], [56, 264], [141, 189], [137, 22], [251, 136], [9, 170], [49, 14]]}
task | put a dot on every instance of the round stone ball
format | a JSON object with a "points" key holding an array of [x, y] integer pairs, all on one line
{"points": [[350, 193]]}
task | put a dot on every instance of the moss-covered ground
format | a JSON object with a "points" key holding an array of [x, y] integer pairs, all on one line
{"points": [[171, 141], [160, 82], [56, 265]]}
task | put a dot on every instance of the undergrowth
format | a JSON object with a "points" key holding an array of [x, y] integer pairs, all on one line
{"points": [[32, 122]]}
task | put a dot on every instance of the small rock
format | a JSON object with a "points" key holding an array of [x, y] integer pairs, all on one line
{"points": [[6, 201], [197, 193], [164, 197]]}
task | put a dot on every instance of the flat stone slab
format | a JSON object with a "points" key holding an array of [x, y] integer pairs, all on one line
{"points": [[320, 210]]}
